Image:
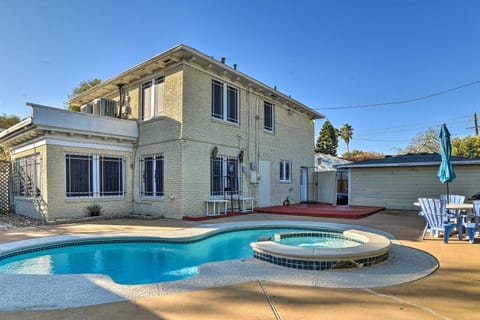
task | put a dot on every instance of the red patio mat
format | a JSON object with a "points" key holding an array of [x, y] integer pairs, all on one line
{"points": [[305, 209], [322, 210]]}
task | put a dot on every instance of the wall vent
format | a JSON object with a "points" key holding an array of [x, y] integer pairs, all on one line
{"points": [[86, 108]]}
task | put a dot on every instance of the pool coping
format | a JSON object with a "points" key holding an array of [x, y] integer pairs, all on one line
{"points": [[63, 291]]}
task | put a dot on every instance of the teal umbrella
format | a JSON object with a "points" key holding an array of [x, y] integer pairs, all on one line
{"points": [[446, 174]]}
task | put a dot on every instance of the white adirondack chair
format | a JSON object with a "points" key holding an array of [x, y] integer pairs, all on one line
{"points": [[436, 218], [476, 217]]}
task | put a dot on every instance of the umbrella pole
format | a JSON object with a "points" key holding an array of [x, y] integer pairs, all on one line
{"points": [[448, 194]]}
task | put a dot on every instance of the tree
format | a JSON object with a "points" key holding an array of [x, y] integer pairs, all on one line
{"points": [[358, 155], [6, 122], [346, 133], [424, 142], [327, 141], [466, 146], [82, 87]]}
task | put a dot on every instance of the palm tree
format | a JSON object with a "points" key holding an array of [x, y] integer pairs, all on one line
{"points": [[346, 133]]}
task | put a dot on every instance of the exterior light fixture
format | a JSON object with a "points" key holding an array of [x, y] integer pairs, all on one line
{"points": [[214, 152]]}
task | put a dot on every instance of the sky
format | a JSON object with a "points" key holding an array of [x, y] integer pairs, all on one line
{"points": [[325, 54]]}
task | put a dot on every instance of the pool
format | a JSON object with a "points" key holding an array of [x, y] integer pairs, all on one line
{"points": [[135, 260], [153, 259]]}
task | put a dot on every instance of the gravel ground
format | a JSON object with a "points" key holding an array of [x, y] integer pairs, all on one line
{"points": [[11, 221]]}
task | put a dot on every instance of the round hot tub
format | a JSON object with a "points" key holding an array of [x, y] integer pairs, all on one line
{"points": [[324, 250]]}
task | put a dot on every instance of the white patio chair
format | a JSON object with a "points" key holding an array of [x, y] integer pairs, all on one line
{"points": [[476, 217], [436, 218]]}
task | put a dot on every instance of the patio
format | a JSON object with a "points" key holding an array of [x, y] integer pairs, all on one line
{"points": [[452, 292], [319, 210]]}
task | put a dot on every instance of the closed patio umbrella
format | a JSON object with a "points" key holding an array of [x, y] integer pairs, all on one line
{"points": [[446, 174]]}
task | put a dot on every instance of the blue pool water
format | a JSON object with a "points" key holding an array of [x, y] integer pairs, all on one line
{"points": [[139, 262], [319, 242]]}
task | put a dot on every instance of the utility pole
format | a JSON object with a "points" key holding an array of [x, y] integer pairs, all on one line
{"points": [[475, 121]]}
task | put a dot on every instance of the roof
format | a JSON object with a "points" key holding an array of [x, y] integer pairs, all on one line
{"points": [[183, 53], [409, 160], [328, 162]]}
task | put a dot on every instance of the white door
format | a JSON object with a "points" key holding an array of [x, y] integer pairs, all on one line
{"points": [[264, 184], [303, 184]]}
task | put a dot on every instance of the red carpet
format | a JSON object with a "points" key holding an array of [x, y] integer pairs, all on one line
{"points": [[305, 209]]}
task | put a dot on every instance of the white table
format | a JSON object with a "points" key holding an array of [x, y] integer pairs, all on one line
{"points": [[461, 222], [243, 203], [216, 209], [459, 206]]}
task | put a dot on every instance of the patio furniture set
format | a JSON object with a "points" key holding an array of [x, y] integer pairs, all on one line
{"points": [[448, 214], [218, 206]]}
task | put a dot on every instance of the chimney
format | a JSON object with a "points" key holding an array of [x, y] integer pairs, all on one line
{"points": [[235, 66], [223, 60]]}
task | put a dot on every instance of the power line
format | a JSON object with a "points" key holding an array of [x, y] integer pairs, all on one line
{"points": [[402, 101], [415, 126]]}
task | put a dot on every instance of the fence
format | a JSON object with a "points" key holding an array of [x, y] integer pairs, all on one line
{"points": [[5, 205]]}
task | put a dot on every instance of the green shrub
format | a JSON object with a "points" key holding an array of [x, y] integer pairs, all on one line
{"points": [[94, 209]]}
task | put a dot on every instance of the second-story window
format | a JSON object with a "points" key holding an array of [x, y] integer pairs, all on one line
{"points": [[268, 116], [224, 102], [153, 93]]}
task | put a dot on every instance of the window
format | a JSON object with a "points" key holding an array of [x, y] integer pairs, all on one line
{"points": [[26, 176], [268, 116], [94, 176], [285, 171], [111, 176], [153, 98], [224, 176], [79, 180], [224, 102], [152, 176]]}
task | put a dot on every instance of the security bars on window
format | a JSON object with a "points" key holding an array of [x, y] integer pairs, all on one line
{"points": [[26, 176], [94, 176], [152, 176], [224, 176]]}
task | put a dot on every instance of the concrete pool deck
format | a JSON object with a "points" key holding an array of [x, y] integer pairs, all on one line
{"points": [[452, 292]]}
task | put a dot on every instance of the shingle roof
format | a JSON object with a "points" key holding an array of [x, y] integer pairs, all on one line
{"points": [[411, 159]]}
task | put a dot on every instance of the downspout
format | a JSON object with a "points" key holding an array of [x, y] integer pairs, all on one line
{"points": [[257, 148], [134, 166], [121, 100], [248, 179]]}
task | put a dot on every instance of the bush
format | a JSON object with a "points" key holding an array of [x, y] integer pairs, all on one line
{"points": [[94, 210]]}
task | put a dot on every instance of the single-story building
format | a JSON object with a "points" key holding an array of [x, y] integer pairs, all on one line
{"points": [[396, 182]]}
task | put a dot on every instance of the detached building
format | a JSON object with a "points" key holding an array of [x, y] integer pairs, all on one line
{"points": [[163, 138], [397, 182]]}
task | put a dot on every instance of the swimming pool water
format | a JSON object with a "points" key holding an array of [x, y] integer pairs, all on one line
{"points": [[139, 263], [319, 242]]}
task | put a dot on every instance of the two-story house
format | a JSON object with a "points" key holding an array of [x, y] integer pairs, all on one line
{"points": [[163, 138]]}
